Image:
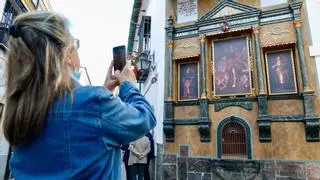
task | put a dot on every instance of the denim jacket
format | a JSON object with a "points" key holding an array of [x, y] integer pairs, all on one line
{"points": [[81, 139]]}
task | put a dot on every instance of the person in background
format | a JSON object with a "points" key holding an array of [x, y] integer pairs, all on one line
{"points": [[58, 129], [150, 156], [125, 158], [139, 150]]}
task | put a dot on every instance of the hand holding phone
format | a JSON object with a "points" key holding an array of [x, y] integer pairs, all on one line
{"points": [[126, 74], [111, 82]]}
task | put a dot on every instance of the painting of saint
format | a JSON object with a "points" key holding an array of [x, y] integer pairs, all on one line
{"points": [[280, 71], [232, 74], [188, 81]]}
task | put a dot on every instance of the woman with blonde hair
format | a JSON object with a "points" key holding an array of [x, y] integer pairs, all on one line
{"points": [[57, 128]]}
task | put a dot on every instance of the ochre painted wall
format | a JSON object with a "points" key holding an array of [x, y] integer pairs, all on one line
{"points": [[186, 112], [252, 3], [288, 139], [289, 143], [190, 135], [205, 6], [285, 107]]}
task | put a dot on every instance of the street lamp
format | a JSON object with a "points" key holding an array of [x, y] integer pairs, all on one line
{"points": [[143, 67]]}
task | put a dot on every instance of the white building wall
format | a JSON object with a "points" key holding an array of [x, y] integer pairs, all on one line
{"points": [[313, 7], [155, 92], [2, 4]]}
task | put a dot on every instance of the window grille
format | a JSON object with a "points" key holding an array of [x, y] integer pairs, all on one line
{"points": [[6, 21], [145, 34], [233, 140]]}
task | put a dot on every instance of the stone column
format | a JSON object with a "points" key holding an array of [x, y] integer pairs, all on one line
{"points": [[312, 120], [170, 74], [303, 66], [204, 122], [258, 61], [203, 66], [264, 120], [168, 122]]}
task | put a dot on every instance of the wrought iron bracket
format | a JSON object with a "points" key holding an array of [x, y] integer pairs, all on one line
{"points": [[312, 120], [264, 120]]}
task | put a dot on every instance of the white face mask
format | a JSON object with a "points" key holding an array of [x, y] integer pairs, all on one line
{"points": [[77, 75]]}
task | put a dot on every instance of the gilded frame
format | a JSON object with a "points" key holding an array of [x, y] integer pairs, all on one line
{"points": [[292, 67], [198, 79], [250, 66]]}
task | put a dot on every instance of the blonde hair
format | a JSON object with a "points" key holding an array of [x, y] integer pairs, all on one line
{"points": [[36, 73]]}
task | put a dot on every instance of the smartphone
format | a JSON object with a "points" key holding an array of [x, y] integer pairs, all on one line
{"points": [[119, 57]]}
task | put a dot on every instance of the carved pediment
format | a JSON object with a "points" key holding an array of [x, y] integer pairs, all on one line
{"points": [[227, 8], [227, 11]]}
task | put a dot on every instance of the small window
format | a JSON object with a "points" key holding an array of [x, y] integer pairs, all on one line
{"points": [[233, 140], [145, 34], [265, 3]]}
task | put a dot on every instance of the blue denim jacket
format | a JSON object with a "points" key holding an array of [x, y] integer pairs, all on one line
{"points": [[81, 140]]}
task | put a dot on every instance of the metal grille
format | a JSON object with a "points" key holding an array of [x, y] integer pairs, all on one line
{"points": [[233, 138], [144, 33]]}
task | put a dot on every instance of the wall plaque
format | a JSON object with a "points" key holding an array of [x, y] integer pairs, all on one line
{"points": [[187, 10]]}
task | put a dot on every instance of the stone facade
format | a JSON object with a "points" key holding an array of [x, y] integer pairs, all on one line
{"points": [[182, 167], [283, 130]]}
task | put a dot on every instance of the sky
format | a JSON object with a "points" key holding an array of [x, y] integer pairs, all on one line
{"points": [[99, 25]]}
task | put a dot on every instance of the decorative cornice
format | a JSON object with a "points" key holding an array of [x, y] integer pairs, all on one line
{"points": [[187, 103], [230, 31], [285, 97], [243, 104], [194, 121], [279, 44], [186, 57], [296, 9], [287, 118]]}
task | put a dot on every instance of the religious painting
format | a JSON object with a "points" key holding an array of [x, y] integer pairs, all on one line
{"points": [[281, 72], [231, 67], [188, 81]]}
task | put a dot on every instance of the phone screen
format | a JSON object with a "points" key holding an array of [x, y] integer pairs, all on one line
{"points": [[119, 57]]}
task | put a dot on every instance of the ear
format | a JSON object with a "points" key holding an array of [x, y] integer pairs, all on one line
{"points": [[67, 62]]}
